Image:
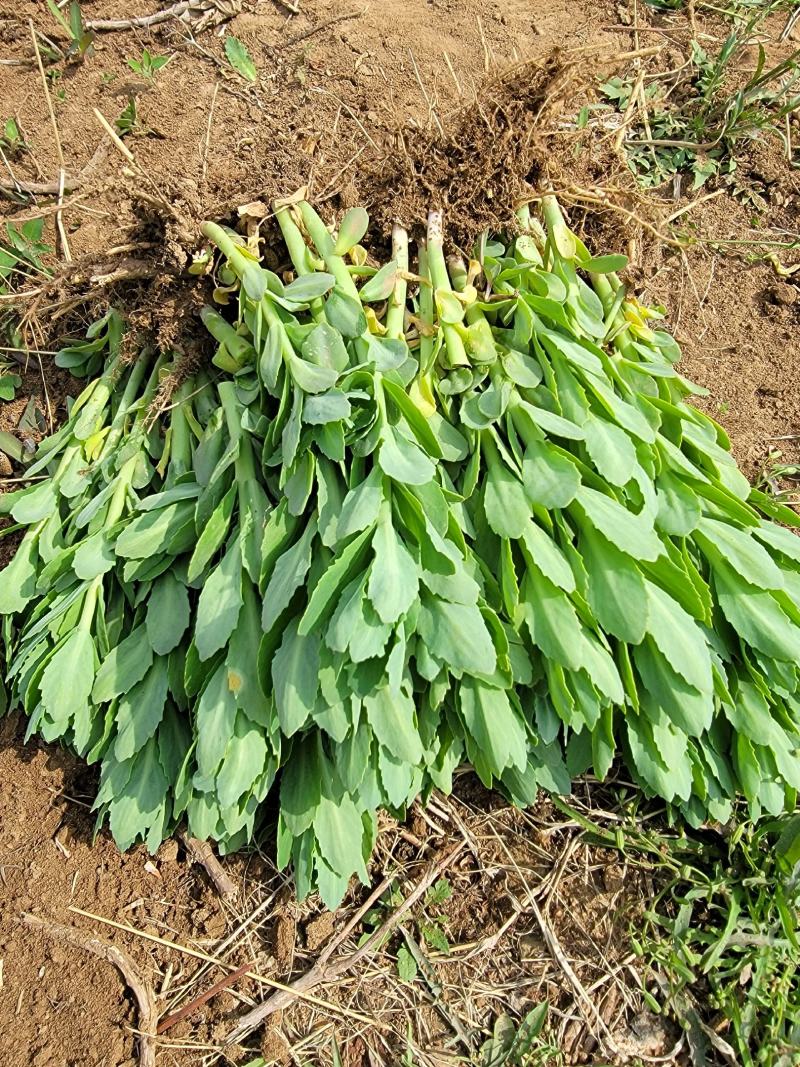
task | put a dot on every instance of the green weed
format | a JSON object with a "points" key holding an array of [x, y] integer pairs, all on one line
{"points": [[699, 129], [81, 40], [148, 65], [721, 940], [774, 470], [12, 143], [128, 121]]}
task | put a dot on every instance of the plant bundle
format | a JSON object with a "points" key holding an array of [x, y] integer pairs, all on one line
{"points": [[421, 516]]}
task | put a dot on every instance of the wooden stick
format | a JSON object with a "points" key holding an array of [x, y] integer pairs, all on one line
{"points": [[198, 1002], [201, 853], [112, 954], [196, 954], [143, 21], [38, 188], [326, 25], [322, 972]]}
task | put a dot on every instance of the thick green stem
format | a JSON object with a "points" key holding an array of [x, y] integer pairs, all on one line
{"points": [[324, 243], [181, 440], [426, 338], [608, 297], [90, 603], [299, 253], [237, 347], [245, 462], [395, 314], [226, 244], [131, 400], [298, 249], [560, 238], [437, 268]]}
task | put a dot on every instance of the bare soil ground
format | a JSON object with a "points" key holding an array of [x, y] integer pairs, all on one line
{"points": [[396, 104]]}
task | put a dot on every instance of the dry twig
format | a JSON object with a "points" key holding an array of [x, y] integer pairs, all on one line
{"points": [[322, 972], [112, 954], [201, 853], [143, 21]]}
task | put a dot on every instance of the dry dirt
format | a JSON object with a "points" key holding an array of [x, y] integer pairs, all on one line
{"points": [[393, 104]]}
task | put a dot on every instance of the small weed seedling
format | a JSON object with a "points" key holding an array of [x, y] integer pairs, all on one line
{"points": [[429, 928], [521, 1045], [12, 142], [148, 65], [722, 942], [240, 59], [128, 121], [776, 468], [81, 40], [9, 383]]}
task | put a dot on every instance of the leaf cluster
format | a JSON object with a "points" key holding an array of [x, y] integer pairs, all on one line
{"points": [[457, 513]]}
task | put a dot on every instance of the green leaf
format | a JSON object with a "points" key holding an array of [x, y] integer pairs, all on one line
{"points": [[439, 892], [326, 407], [552, 620], [678, 507], [435, 936], [740, 550], [140, 711], [93, 557], [288, 574], [632, 533], [419, 425], [219, 604], [345, 313], [295, 675], [457, 635], [393, 579], [212, 535], [551, 480], [310, 377], [610, 449], [756, 616], [402, 460], [336, 577], [380, 286], [361, 506], [167, 614], [18, 578], [338, 829], [406, 965], [150, 532], [493, 726], [133, 810], [324, 347], [244, 760], [216, 716], [67, 680], [604, 264], [124, 666], [34, 503], [308, 287], [352, 228], [546, 555], [521, 368], [617, 592], [508, 510], [390, 713], [679, 637], [239, 58]]}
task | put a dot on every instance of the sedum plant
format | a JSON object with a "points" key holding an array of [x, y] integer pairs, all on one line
{"points": [[422, 513]]}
